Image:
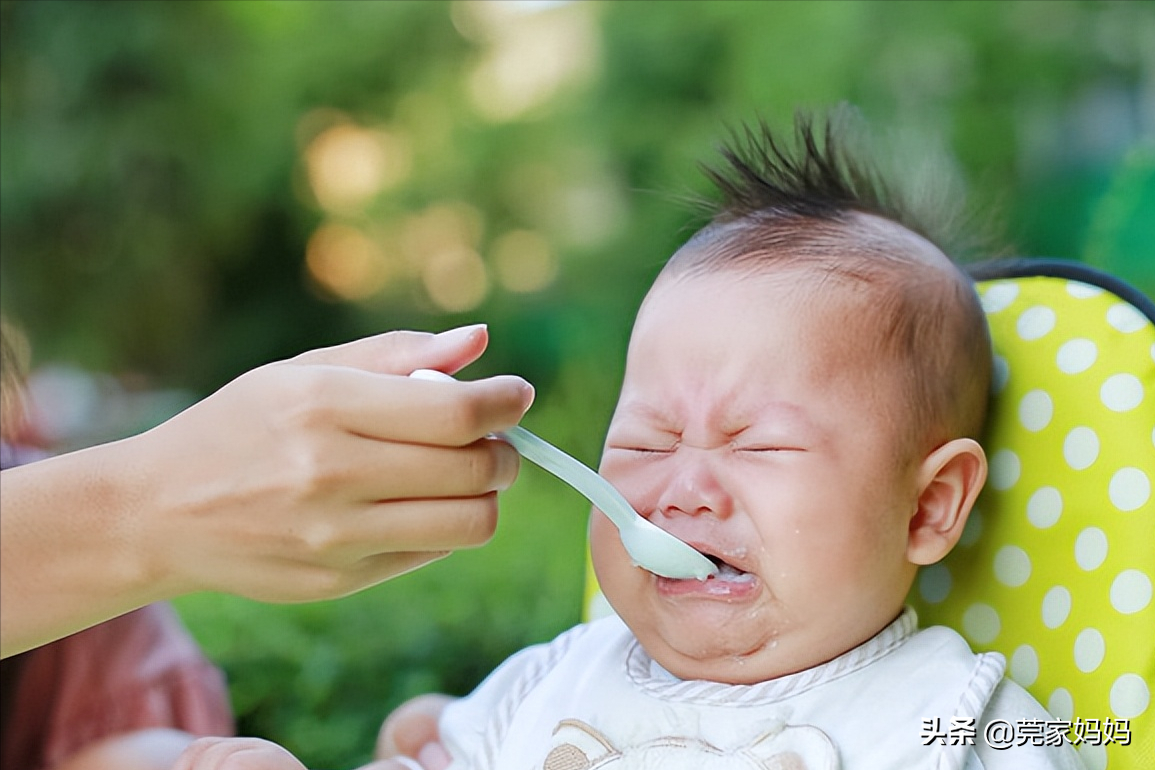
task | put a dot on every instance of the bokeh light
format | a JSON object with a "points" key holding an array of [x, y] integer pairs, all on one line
{"points": [[348, 165], [524, 261], [530, 52], [440, 243], [456, 279], [346, 262]]}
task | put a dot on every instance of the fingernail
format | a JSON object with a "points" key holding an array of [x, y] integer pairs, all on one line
{"points": [[461, 333], [433, 756], [528, 394]]}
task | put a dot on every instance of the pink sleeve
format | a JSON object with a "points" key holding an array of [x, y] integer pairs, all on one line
{"points": [[137, 671]]}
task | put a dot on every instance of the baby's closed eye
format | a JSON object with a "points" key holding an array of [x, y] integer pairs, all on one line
{"points": [[639, 448], [749, 444], [768, 448], [639, 440]]}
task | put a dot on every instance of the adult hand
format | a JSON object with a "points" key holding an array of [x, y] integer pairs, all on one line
{"points": [[236, 754], [318, 476], [153, 748], [304, 479], [254, 754], [412, 731]]}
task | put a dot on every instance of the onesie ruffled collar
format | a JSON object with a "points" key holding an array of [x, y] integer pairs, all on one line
{"points": [[651, 678]]}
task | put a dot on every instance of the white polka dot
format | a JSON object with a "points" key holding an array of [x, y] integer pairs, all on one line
{"points": [[973, 528], [1091, 548], [1081, 448], [1056, 607], [1025, 665], [1080, 290], [981, 623], [1089, 650], [1012, 566], [1045, 507], [1000, 296], [1035, 410], [1130, 591], [1060, 704], [1005, 469], [1035, 322], [934, 583], [1121, 392], [1094, 756], [1076, 356], [1130, 696], [1125, 318], [1000, 373], [1129, 489]]}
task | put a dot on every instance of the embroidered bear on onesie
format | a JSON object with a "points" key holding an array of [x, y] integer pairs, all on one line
{"points": [[578, 746]]}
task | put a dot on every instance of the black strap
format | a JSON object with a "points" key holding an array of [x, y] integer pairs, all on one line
{"points": [[1048, 267]]}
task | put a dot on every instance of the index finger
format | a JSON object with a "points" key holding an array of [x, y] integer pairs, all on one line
{"points": [[400, 352], [393, 408]]}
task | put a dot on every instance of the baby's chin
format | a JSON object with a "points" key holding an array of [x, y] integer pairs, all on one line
{"points": [[719, 661], [738, 651], [747, 648]]}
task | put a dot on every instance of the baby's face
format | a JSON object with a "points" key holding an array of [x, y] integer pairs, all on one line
{"points": [[750, 426]]}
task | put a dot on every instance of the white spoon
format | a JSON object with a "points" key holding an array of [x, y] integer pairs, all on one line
{"points": [[650, 547]]}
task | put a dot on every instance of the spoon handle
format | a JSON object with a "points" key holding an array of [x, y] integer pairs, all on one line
{"points": [[650, 547], [592, 486], [540, 452]]}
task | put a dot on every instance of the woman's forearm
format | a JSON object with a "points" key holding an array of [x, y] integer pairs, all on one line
{"points": [[301, 480], [68, 558]]}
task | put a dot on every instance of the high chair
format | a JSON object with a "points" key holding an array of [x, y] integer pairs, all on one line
{"points": [[1056, 564]]}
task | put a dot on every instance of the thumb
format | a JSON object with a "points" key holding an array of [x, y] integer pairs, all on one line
{"points": [[401, 352]]}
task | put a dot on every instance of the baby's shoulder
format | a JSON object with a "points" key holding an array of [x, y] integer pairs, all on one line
{"points": [[997, 746]]}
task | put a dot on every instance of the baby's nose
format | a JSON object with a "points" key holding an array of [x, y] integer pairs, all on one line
{"points": [[696, 490]]}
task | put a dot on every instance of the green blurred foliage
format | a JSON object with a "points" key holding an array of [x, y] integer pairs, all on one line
{"points": [[160, 193]]}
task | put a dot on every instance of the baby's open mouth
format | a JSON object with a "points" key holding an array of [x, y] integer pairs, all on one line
{"points": [[731, 583], [728, 572]]}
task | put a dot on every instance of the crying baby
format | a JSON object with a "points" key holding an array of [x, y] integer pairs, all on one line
{"points": [[804, 386]]}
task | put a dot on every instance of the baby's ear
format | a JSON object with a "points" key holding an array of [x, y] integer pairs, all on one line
{"points": [[949, 481]]}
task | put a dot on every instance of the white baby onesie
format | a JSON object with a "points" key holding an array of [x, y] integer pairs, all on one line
{"points": [[593, 698]]}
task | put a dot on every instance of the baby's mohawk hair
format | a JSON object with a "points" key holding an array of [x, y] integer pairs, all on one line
{"points": [[824, 175], [801, 205]]}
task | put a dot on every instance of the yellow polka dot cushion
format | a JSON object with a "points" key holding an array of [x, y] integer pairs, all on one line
{"points": [[1056, 564]]}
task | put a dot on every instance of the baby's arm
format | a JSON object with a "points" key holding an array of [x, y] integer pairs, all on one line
{"points": [[438, 729], [1011, 703], [412, 730], [432, 730]]}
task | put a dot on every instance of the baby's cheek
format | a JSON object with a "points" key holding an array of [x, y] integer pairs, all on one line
{"points": [[609, 556], [603, 550], [604, 539], [639, 479]]}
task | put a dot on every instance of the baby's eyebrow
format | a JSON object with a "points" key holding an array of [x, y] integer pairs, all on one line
{"points": [[776, 413], [649, 414], [729, 420]]}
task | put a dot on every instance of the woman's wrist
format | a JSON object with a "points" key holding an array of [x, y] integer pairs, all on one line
{"points": [[129, 499]]}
